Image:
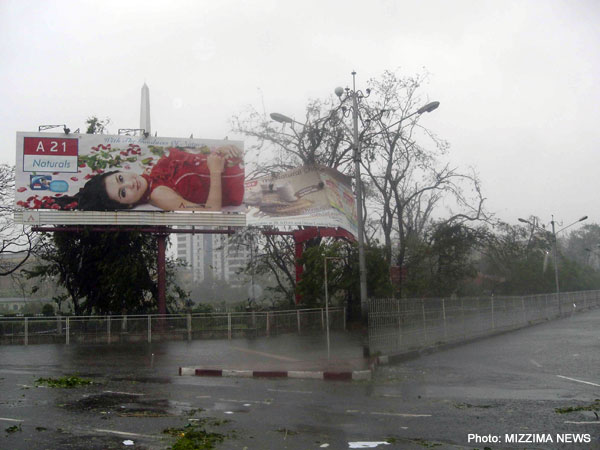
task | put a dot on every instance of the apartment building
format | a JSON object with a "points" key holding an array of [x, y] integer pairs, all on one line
{"points": [[213, 255]]}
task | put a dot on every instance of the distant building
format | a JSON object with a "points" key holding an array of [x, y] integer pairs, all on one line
{"points": [[212, 255]]}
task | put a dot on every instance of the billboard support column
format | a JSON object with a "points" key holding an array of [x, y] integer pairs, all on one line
{"points": [[162, 248]]}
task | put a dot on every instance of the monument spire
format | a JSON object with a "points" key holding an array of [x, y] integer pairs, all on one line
{"points": [[145, 109]]}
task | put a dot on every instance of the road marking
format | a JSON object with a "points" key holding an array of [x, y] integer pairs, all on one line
{"points": [[124, 433], [261, 402], [376, 413], [270, 355], [122, 393], [596, 422], [399, 414], [578, 381], [6, 419], [290, 391], [535, 363]]}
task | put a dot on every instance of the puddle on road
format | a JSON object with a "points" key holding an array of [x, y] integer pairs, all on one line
{"points": [[127, 405]]}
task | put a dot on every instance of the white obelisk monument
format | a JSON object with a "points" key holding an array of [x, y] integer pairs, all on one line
{"points": [[145, 109]]}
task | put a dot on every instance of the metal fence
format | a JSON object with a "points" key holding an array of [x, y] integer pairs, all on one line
{"points": [[399, 325], [149, 328]]}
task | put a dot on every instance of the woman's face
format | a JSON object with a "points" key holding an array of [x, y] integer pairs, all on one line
{"points": [[125, 187]]}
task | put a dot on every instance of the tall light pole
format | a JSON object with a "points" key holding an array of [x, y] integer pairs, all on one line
{"points": [[554, 250], [357, 96]]}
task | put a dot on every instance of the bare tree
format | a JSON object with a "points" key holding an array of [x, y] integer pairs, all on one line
{"points": [[18, 241], [407, 181]]}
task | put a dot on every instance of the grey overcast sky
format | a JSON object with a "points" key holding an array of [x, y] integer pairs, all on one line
{"points": [[518, 81]]}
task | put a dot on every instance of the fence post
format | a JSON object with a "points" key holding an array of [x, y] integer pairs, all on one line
{"points": [[229, 325], [398, 315], [298, 320], [26, 331], [493, 321], [149, 328], [59, 325], [462, 315], [68, 331], [322, 320], [268, 330], [108, 330], [444, 317], [189, 327], [424, 320]]}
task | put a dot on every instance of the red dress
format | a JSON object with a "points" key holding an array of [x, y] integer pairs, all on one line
{"points": [[188, 175]]}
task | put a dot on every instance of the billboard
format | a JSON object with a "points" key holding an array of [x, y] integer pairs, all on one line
{"points": [[93, 177], [309, 195], [94, 172]]}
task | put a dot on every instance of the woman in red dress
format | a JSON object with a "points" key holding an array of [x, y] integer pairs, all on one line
{"points": [[179, 181]]}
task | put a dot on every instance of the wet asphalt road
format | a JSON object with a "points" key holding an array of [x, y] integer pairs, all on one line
{"points": [[505, 385]]}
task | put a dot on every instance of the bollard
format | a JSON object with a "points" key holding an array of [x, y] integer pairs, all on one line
{"points": [[229, 326], [67, 331], [298, 320], [149, 329]]}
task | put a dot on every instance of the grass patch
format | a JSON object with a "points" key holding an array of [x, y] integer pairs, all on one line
{"points": [[569, 409], [193, 437], [63, 382]]}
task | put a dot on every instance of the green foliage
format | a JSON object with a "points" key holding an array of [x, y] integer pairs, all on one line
{"points": [[343, 281], [96, 126], [105, 272], [63, 382], [519, 260], [441, 263], [13, 429], [194, 437], [48, 310]]}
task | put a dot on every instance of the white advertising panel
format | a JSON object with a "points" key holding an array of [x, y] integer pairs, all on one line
{"points": [[94, 172], [309, 196]]}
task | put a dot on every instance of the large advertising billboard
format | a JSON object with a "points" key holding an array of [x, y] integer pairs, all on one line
{"points": [[94, 172]]}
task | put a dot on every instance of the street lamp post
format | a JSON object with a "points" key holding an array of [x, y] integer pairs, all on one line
{"points": [[554, 250], [356, 96]]}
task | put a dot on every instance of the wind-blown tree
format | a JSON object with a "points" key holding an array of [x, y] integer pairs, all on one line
{"points": [[407, 177], [17, 241], [406, 182], [105, 272], [343, 280], [443, 262], [322, 140]]}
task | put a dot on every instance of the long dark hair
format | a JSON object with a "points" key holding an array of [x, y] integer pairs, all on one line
{"points": [[92, 196]]}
